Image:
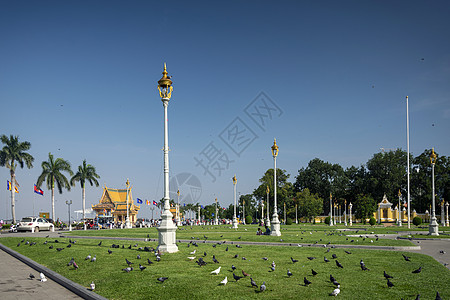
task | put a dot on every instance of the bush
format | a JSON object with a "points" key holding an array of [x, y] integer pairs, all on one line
{"points": [[327, 220], [6, 226], [248, 220], [372, 221], [289, 221], [417, 221]]}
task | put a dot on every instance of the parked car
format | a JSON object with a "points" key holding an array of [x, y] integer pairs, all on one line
{"points": [[30, 223]]}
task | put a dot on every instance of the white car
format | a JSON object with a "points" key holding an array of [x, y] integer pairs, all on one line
{"points": [[34, 223]]}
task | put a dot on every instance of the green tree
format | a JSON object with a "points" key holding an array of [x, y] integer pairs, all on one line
{"points": [[13, 154], [284, 189], [322, 178], [52, 173], [86, 172], [387, 174], [249, 202], [364, 207], [310, 205]]}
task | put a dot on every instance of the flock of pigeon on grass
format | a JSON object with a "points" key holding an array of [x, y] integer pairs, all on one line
{"points": [[201, 262]]}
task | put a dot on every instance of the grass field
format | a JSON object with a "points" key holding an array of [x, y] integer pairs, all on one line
{"points": [[304, 234], [189, 281]]}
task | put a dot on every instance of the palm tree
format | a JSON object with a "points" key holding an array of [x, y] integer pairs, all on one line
{"points": [[52, 173], [85, 173], [13, 153]]}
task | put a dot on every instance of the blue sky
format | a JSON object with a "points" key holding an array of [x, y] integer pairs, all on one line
{"points": [[78, 79]]}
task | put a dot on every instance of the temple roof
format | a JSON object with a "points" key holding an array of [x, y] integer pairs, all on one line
{"points": [[116, 199], [385, 203]]}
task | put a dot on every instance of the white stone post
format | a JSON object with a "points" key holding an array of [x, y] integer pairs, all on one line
{"points": [[267, 202], [275, 227], [235, 222], [350, 213], [433, 228]]}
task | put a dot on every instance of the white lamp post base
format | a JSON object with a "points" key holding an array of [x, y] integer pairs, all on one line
{"points": [[433, 229], [235, 223], [166, 233], [275, 227], [127, 223], [268, 222]]}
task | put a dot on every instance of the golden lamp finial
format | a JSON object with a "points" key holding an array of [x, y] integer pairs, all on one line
{"points": [[268, 190], [165, 87], [433, 157], [274, 148], [234, 179]]}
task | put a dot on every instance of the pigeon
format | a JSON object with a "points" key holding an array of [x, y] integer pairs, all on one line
{"points": [[325, 259], [339, 264], [294, 260], [150, 262], [71, 262], [389, 283], [236, 277], [75, 265], [215, 260], [99, 244], [306, 281], [418, 270], [18, 244], [364, 268], [335, 283], [42, 276], [191, 257], [236, 256], [265, 258], [158, 258], [128, 269], [272, 268], [162, 279], [407, 258], [141, 267], [226, 249], [204, 254], [68, 246], [225, 281], [336, 291], [233, 267], [31, 276], [193, 252], [138, 257], [417, 297], [94, 259], [334, 256], [438, 296], [314, 272], [92, 286], [348, 252], [216, 271], [262, 288], [59, 249], [129, 263], [289, 273], [332, 279], [88, 257], [273, 264], [311, 258], [51, 247], [253, 283], [386, 275], [245, 273]]}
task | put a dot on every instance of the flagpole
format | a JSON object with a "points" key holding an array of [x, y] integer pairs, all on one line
{"points": [[407, 158]]}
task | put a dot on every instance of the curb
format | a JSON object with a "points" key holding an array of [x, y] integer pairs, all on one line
{"points": [[61, 280], [396, 248]]}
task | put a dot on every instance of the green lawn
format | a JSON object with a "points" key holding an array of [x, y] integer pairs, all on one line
{"points": [[294, 234], [189, 281]]}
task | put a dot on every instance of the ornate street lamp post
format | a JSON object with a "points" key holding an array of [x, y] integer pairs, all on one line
{"points": [[69, 202], [442, 213], [267, 203], [127, 221], [262, 211], [177, 214], [350, 213], [235, 222], [167, 228], [296, 220], [216, 220], [331, 210], [275, 228], [434, 227], [399, 217], [345, 212], [446, 213]]}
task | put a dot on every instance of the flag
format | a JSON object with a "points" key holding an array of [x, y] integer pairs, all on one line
{"points": [[139, 201], [147, 202], [155, 203], [213, 214], [184, 204], [38, 191], [8, 186], [202, 206]]}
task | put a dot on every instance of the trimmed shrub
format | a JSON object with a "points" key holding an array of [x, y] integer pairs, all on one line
{"points": [[417, 221], [289, 221], [6, 226], [327, 220], [372, 221], [248, 220]]}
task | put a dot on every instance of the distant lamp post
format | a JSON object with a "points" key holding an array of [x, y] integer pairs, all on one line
{"points": [[285, 220], [235, 222], [446, 213], [275, 228], [216, 220], [69, 202], [399, 217], [127, 221], [350, 214], [167, 228], [177, 214], [442, 213], [296, 220], [267, 203], [262, 211], [345, 212], [331, 210], [433, 229], [243, 211]]}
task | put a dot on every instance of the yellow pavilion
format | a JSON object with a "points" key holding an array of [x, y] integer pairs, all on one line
{"points": [[114, 203]]}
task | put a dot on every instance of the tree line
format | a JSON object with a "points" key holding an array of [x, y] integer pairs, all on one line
{"points": [[54, 171]]}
